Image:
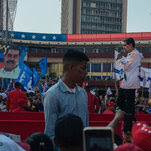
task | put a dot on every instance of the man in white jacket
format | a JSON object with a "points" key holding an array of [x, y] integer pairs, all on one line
{"points": [[131, 79]]}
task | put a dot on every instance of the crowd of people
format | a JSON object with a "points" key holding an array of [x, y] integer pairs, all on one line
{"points": [[67, 105], [98, 100]]}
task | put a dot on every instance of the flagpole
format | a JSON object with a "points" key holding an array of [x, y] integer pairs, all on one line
{"points": [[6, 32]]}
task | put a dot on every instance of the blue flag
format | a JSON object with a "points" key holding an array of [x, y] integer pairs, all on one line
{"points": [[23, 54], [4, 83], [10, 86], [24, 76], [36, 77], [43, 66]]}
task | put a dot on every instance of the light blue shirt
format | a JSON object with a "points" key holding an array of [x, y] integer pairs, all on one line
{"points": [[60, 100]]}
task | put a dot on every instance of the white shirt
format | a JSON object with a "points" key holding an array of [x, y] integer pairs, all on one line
{"points": [[131, 64], [10, 74]]}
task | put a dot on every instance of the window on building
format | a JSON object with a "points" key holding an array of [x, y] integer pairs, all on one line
{"points": [[88, 67], [106, 67], [95, 67], [93, 5]]}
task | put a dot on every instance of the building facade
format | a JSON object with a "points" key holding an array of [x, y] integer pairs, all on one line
{"points": [[99, 48], [93, 16]]}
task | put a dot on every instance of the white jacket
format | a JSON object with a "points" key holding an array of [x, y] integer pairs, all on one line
{"points": [[131, 66]]}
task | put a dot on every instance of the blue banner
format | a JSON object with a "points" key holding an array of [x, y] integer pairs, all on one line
{"points": [[25, 75], [4, 83], [11, 60], [23, 54], [36, 77], [43, 66], [34, 36]]}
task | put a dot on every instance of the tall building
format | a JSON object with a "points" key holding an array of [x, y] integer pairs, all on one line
{"points": [[7, 14], [93, 16], [1, 15]]}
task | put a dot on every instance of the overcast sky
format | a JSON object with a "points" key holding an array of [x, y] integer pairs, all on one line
{"points": [[44, 16]]}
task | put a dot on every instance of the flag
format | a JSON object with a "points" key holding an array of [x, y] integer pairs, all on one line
{"points": [[108, 92], [4, 83], [3, 48], [43, 66], [24, 76], [30, 85], [118, 68], [115, 55], [145, 79], [84, 84], [40, 87], [10, 86], [36, 77], [23, 54], [44, 87]]}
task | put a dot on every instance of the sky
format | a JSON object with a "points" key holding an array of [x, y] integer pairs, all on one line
{"points": [[44, 16]]}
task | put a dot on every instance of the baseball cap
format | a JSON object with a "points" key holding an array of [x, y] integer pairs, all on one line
{"points": [[6, 144], [110, 103], [22, 101], [141, 133], [68, 130], [128, 147]]}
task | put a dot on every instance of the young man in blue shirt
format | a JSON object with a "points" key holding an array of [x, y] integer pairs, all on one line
{"points": [[66, 96]]}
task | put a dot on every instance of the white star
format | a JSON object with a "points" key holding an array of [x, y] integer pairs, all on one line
{"points": [[149, 131], [138, 124], [12, 34], [43, 37], [54, 37], [33, 36], [22, 36]]}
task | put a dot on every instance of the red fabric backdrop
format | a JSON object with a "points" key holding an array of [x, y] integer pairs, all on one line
{"points": [[25, 124]]}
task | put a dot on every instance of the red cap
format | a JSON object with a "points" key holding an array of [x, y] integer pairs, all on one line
{"points": [[110, 103], [128, 147], [22, 101], [141, 133]]}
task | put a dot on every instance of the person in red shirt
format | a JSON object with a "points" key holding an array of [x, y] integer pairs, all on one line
{"points": [[93, 102], [110, 108], [22, 103], [14, 96]]}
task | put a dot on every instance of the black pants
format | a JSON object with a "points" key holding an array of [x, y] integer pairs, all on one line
{"points": [[126, 100]]}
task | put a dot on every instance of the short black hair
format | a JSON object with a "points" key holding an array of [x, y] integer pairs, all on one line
{"points": [[130, 41], [68, 131], [74, 55], [17, 85], [39, 142], [14, 47]]}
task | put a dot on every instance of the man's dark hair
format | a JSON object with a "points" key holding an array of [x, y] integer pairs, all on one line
{"points": [[68, 131], [39, 142], [17, 85], [14, 47], [74, 55], [130, 41]]}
